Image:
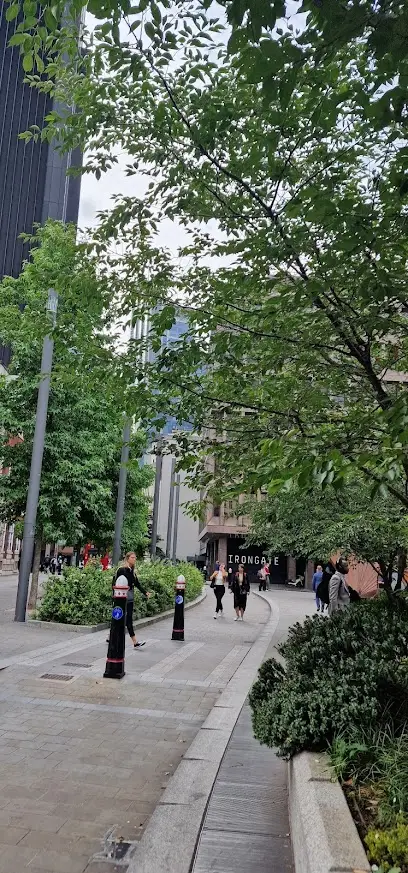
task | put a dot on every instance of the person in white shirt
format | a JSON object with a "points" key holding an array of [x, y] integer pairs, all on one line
{"points": [[218, 580]]}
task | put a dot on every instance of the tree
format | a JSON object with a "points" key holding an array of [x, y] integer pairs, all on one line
{"points": [[85, 419], [302, 173], [316, 525]]}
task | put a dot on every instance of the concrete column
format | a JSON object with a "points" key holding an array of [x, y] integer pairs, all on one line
{"points": [[291, 568], [309, 575], [222, 550]]}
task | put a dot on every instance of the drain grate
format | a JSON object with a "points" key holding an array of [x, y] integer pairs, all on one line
{"points": [[57, 676], [74, 664]]}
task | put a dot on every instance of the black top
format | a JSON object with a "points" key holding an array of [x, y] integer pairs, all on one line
{"points": [[240, 589], [131, 577]]}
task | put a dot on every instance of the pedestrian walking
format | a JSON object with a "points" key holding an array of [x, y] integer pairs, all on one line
{"points": [[218, 580], [59, 565], [128, 570], [339, 594], [267, 575], [262, 579], [53, 565], [240, 588], [317, 578], [105, 562]]}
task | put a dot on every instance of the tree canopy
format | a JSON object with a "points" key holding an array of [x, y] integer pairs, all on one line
{"points": [[317, 525], [85, 413], [282, 152]]}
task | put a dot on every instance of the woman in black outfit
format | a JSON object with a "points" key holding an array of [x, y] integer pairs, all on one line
{"points": [[240, 588], [128, 570]]}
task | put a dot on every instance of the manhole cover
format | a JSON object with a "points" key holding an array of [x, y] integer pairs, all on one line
{"points": [[73, 664], [57, 676]]}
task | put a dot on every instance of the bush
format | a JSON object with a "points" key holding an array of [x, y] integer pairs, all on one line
{"points": [[85, 596], [346, 671], [389, 847]]}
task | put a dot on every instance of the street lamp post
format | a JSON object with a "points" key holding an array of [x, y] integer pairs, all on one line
{"points": [[30, 516], [156, 498], [124, 461], [120, 503]]}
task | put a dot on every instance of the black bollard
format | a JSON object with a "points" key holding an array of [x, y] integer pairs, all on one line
{"points": [[178, 622], [115, 661]]}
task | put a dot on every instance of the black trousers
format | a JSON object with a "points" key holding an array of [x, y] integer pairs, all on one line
{"points": [[129, 618], [262, 584], [219, 592]]}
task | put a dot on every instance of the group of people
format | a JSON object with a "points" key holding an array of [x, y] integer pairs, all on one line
{"points": [[52, 565], [238, 585], [330, 587]]}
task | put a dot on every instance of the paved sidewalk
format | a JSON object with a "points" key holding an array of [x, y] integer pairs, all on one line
{"points": [[80, 755], [246, 827], [171, 837]]}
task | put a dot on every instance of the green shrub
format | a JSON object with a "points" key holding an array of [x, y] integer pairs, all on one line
{"points": [[85, 596], [389, 847], [346, 671]]}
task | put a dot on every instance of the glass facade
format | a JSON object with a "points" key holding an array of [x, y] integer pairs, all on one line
{"points": [[33, 181]]}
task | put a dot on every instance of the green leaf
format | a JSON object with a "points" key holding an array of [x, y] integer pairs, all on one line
{"points": [[50, 19], [12, 12], [28, 62], [18, 39], [150, 30]]}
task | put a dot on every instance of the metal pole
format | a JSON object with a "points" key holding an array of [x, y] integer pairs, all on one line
{"points": [[171, 509], [176, 516], [120, 503], [124, 461], [30, 515], [156, 499]]}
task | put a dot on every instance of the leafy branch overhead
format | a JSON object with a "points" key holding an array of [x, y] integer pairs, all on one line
{"points": [[279, 146]]}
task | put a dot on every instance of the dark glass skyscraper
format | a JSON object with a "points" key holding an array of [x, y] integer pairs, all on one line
{"points": [[33, 181]]}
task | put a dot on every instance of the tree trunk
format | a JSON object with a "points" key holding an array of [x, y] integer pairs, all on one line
{"points": [[32, 600], [401, 566]]}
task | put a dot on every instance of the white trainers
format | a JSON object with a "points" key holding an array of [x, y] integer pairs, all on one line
{"points": [[216, 615], [236, 618]]}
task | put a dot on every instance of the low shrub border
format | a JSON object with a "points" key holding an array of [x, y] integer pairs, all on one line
{"points": [[84, 597], [94, 628]]}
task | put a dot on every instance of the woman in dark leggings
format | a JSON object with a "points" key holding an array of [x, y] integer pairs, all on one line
{"points": [[128, 570], [218, 580]]}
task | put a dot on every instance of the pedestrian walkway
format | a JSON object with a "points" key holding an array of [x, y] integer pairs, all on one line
{"points": [[246, 828], [85, 761]]}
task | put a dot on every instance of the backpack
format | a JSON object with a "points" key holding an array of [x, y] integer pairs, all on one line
{"points": [[322, 591]]}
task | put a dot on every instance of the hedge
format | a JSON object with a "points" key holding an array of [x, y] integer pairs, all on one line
{"points": [[84, 597], [348, 672]]}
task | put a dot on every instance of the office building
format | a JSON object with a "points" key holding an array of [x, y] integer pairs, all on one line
{"points": [[33, 181], [34, 186], [177, 532]]}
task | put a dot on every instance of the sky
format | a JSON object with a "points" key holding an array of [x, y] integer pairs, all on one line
{"points": [[96, 195]]}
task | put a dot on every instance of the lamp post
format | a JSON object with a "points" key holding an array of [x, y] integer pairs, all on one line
{"points": [[30, 516], [124, 461], [156, 498]]}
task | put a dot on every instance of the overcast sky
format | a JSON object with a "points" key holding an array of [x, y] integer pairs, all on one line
{"points": [[96, 195]]}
